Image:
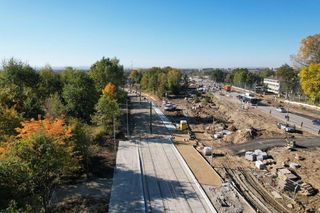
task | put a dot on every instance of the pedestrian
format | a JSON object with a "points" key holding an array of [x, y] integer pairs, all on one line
{"points": [[288, 117], [319, 132], [270, 111], [301, 124]]}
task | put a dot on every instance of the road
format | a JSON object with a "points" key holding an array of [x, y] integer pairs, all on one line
{"points": [[153, 175], [294, 119], [264, 144]]}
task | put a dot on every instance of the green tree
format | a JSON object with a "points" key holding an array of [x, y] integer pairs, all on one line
{"points": [[174, 78], [135, 76], [53, 107], [240, 77], [9, 120], [19, 88], [107, 109], [78, 93], [50, 82], [105, 71], [266, 73], [217, 75], [310, 81], [288, 77]]}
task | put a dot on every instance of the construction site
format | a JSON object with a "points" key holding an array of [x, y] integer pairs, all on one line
{"points": [[240, 154]]}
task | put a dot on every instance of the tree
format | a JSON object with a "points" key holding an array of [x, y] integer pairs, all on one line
{"points": [[107, 109], [217, 75], [106, 70], [309, 51], [43, 154], [110, 90], [159, 80], [53, 107], [9, 120], [21, 74], [50, 82], [240, 77], [288, 77], [78, 93], [135, 76], [19, 88], [266, 73], [174, 78], [310, 81]]}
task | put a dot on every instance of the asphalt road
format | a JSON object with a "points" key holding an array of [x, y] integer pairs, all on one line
{"points": [[264, 144], [294, 119], [151, 175]]}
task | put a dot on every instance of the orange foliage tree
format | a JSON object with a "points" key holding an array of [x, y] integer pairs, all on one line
{"points": [[56, 128], [110, 90]]}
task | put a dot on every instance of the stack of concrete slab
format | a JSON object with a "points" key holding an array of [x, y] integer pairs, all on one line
{"points": [[260, 154], [256, 155], [251, 156], [286, 174], [260, 165]]}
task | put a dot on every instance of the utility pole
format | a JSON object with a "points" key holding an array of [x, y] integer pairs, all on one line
{"points": [[140, 92], [114, 132], [127, 118], [150, 117]]}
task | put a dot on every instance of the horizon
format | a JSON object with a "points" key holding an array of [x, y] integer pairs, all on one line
{"points": [[144, 34]]}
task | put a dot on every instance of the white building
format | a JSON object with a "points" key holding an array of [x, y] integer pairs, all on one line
{"points": [[273, 85]]}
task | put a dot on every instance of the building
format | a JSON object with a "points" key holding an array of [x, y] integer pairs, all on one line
{"points": [[272, 85]]}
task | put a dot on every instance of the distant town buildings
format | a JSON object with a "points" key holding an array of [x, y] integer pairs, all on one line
{"points": [[272, 85]]}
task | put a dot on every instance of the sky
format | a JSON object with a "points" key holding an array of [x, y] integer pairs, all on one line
{"points": [[146, 33]]}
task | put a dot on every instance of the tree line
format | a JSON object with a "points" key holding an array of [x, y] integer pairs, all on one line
{"points": [[159, 81], [301, 78], [48, 122]]}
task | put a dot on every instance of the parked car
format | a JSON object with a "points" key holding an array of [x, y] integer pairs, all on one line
{"points": [[168, 107], [281, 109], [316, 122], [286, 127]]}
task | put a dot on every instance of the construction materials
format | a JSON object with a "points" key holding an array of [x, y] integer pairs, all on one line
{"points": [[260, 165], [250, 156], [207, 150]]}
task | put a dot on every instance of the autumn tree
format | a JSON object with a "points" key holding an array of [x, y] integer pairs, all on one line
{"points": [[309, 51], [42, 154], [110, 90], [310, 81]]}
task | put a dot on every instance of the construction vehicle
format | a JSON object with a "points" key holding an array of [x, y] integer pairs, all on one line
{"points": [[227, 87], [290, 143], [183, 125]]}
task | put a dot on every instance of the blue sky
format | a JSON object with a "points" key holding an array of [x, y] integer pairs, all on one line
{"points": [[144, 33]]}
